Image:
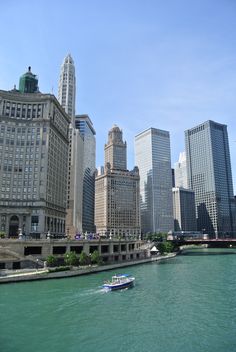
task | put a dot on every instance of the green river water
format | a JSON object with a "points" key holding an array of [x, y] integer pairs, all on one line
{"points": [[181, 305]]}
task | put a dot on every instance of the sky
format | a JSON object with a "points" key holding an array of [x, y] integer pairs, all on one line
{"points": [[139, 64]]}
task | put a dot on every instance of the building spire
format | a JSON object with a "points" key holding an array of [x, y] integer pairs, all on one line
{"points": [[67, 87]]}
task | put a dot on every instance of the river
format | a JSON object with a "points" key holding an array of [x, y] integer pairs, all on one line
{"points": [[185, 304]]}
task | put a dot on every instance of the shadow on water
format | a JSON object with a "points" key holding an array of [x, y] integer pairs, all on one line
{"points": [[207, 252], [171, 261]]}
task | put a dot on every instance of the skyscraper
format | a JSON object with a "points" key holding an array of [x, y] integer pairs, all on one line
{"points": [[34, 147], [184, 209], [75, 183], [152, 156], [117, 209], [209, 175], [66, 97], [115, 150], [181, 179], [84, 125], [67, 87]]}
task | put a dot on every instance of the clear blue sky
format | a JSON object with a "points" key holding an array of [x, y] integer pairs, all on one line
{"points": [[166, 64]]}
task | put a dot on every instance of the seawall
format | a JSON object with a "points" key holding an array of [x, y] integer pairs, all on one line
{"points": [[43, 274]]}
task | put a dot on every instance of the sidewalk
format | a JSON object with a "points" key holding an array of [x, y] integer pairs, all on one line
{"points": [[43, 274]]}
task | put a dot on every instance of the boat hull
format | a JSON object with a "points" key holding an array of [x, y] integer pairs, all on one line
{"points": [[120, 286]]}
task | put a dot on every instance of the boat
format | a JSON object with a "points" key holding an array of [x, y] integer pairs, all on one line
{"points": [[119, 282]]}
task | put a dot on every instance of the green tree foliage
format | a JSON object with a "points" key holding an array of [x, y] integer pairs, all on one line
{"points": [[51, 261], [71, 258], [84, 259], [165, 247], [160, 237], [156, 236], [96, 258], [2, 234]]}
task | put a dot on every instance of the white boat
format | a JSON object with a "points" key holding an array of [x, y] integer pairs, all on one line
{"points": [[119, 281]]}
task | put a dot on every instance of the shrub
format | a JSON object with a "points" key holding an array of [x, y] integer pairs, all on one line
{"points": [[60, 268], [2, 234], [96, 258], [70, 258], [51, 261], [84, 259]]}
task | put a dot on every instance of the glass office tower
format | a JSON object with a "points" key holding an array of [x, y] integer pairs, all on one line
{"points": [[209, 175], [152, 156], [87, 132]]}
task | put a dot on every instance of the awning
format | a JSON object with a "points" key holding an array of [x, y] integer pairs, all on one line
{"points": [[154, 249]]}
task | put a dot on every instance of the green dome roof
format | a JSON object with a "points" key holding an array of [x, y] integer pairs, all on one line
{"points": [[28, 82]]}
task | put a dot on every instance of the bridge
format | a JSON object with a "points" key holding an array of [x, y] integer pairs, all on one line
{"points": [[213, 242]]}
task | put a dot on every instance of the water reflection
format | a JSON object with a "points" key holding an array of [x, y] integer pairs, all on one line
{"points": [[208, 251]]}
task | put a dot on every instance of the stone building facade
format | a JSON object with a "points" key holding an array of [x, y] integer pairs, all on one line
{"points": [[117, 212], [33, 163]]}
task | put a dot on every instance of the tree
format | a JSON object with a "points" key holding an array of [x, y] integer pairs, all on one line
{"points": [[165, 247], [51, 261], [96, 258], [156, 236], [71, 258], [84, 259]]}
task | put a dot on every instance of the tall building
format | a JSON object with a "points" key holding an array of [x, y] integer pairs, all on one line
{"points": [[85, 126], [67, 87], [152, 156], [75, 183], [117, 211], [209, 175], [115, 150], [181, 179], [66, 97], [173, 177], [34, 147], [184, 209]]}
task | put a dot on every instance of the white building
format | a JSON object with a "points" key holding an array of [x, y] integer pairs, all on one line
{"points": [[181, 179], [67, 87], [152, 156], [66, 97]]}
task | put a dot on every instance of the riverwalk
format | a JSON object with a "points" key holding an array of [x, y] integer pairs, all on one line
{"points": [[9, 276]]}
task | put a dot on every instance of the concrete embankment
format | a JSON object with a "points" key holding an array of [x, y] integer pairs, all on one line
{"points": [[44, 274]]}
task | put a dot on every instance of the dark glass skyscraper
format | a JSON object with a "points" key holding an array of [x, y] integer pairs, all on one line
{"points": [[209, 175], [87, 132]]}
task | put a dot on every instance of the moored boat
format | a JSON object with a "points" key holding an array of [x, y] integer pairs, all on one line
{"points": [[119, 282]]}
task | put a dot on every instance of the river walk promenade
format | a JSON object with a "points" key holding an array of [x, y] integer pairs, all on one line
{"points": [[8, 276]]}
